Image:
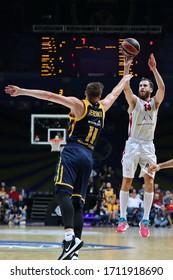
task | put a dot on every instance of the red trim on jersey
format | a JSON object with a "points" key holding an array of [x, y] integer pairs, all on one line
{"points": [[130, 124]]}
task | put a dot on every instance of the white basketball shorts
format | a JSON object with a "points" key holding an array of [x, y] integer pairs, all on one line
{"points": [[138, 152]]}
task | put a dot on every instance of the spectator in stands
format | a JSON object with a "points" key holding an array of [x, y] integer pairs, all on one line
{"points": [[102, 188], [101, 214], [135, 209], [162, 217], [8, 201], [166, 198], [170, 208], [107, 174], [157, 202], [156, 187], [21, 201], [14, 194], [16, 216], [1, 212], [22, 204], [158, 190], [109, 191], [24, 214], [2, 191], [2, 184], [113, 210], [170, 205], [5, 208]]}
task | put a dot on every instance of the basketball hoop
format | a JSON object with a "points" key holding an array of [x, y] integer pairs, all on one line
{"points": [[56, 144]]}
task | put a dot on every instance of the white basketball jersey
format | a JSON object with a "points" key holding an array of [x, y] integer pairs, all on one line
{"points": [[142, 120]]}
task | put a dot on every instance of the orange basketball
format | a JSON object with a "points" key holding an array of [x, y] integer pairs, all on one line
{"points": [[130, 47]]}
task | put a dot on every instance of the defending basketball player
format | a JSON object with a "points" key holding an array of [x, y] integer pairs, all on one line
{"points": [[139, 148], [76, 160]]}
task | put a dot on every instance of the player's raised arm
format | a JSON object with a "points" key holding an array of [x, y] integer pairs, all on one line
{"points": [[130, 97], [71, 102], [159, 81], [111, 97]]}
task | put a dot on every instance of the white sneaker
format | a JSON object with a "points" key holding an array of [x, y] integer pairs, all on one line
{"points": [[69, 247], [74, 256]]}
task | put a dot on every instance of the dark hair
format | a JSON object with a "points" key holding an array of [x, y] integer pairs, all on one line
{"points": [[150, 82], [94, 89]]}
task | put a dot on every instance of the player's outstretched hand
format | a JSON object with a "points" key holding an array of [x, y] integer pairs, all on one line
{"points": [[127, 77], [152, 62], [153, 168], [12, 90], [128, 60]]}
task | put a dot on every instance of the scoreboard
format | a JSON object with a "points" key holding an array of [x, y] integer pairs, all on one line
{"points": [[91, 56]]}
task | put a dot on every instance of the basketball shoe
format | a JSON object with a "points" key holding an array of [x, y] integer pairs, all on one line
{"points": [[122, 225], [69, 247], [74, 257], [143, 228]]}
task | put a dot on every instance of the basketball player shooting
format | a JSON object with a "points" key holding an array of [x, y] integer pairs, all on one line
{"points": [[76, 159], [139, 148]]}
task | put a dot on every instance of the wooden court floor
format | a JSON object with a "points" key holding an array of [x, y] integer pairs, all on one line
{"points": [[100, 243]]}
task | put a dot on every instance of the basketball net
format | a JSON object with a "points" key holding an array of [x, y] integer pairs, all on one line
{"points": [[56, 144]]}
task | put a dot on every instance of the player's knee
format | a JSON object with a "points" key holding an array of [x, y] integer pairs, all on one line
{"points": [[126, 184], [77, 207], [60, 196]]}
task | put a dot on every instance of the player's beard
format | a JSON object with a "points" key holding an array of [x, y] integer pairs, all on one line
{"points": [[144, 95]]}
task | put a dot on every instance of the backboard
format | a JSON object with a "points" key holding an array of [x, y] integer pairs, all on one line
{"points": [[48, 126]]}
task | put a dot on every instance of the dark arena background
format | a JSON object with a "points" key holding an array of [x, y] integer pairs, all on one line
{"points": [[60, 46]]}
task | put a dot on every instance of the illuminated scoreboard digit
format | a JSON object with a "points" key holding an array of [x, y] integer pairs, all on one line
{"points": [[61, 91], [91, 56]]}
